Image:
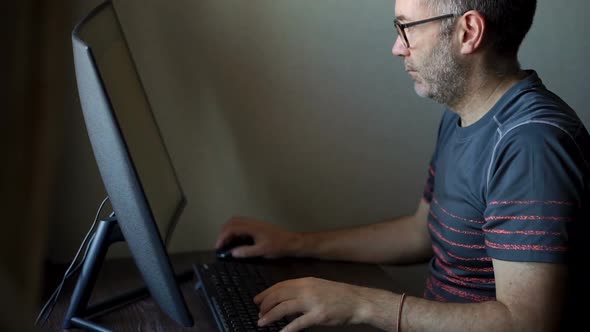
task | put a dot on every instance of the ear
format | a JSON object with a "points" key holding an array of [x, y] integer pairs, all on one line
{"points": [[472, 27]]}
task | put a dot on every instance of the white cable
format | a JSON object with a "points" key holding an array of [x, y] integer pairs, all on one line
{"points": [[53, 299]]}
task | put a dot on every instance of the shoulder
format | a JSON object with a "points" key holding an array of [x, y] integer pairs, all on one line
{"points": [[529, 101], [536, 148], [533, 117], [537, 140], [537, 133]]}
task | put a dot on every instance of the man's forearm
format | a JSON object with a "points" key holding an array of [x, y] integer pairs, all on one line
{"points": [[423, 315], [396, 241]]}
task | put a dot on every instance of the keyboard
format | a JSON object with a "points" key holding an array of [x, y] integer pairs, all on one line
{"points": [[229, 288]]}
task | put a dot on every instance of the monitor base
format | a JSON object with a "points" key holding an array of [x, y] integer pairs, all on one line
{"points": [[107, 233]]}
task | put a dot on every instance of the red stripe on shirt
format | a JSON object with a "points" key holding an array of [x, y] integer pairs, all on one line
{"points": [[524, 247], [430, 288], [463, 281], [469, 259], [454, 229], [533, 232], [456, 216], [551, 218], [439, 254], [461, 293], [532, 202], [456, 244]]}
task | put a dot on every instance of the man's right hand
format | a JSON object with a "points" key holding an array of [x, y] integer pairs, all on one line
{"points": [[270, 241]]}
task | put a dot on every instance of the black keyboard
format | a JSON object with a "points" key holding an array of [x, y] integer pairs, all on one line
{"points": [[229, 289]]}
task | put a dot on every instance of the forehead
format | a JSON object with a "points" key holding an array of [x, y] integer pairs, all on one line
{"points": [[410, 9]]}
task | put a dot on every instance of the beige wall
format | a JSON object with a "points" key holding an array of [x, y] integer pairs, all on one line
{"points": [[283, 111], [291, 111]]}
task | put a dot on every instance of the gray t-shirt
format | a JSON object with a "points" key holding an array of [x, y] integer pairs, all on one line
{"points": [[513, 186]]}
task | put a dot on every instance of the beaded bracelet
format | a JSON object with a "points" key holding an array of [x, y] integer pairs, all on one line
{"points": [[399, 313]]}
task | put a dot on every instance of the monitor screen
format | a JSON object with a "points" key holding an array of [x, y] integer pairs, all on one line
{"points": [[134, 164]]}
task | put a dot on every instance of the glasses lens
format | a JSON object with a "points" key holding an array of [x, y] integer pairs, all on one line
{"points": [[402, 34]]}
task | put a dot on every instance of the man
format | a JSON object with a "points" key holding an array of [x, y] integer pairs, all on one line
{"points": [[507, 196]]}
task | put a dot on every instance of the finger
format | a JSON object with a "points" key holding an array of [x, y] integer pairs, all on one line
{"points": [[279, 311], [271, 301], [277, 295], [270, 290], [234, 220], [248, 251], [231, 229], [300, 323], [258, 298], [224, 237], [295, 284]]}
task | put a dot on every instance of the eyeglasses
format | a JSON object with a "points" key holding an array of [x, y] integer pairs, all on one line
{"points": [[400, 27]]}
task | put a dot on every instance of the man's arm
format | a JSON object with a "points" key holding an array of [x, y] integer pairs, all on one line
{"points": [[529, 297], [402, 240]]}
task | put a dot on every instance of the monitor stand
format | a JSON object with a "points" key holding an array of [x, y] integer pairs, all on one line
{"points": [[107, 233]]}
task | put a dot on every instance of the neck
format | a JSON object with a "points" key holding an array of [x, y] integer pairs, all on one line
{"points": [[486, 88]]}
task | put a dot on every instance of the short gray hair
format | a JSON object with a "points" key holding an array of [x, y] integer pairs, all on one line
{"points": [[508, 21]]}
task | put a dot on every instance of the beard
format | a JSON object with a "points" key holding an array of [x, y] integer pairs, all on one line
{"points": [[443, 74]]}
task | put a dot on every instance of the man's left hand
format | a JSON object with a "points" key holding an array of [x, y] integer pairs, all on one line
{"points": [[317, 301]]}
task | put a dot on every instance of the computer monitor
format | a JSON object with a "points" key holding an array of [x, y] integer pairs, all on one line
{"points": [[132, 158]]}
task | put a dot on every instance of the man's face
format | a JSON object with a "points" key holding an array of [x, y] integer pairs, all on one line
{"points": [[432, 60]]}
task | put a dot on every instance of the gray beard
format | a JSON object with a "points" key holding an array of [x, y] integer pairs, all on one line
{"points": [[445, 75]]}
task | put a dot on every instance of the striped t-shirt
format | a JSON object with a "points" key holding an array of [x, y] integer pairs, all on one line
{"points": [[513, 186]]}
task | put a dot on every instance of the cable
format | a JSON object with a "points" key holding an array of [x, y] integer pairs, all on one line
{"points": [[169, 232], [53, 299], [71, 269], [171, 227]]}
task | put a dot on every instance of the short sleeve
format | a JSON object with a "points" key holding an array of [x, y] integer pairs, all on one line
{"points": [[534, 186]]}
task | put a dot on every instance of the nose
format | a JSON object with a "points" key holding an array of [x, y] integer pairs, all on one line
{"points": [[399, 49]]}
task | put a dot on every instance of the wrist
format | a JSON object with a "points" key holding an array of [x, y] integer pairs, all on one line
{"points": [[297, 245], [375, 307]]}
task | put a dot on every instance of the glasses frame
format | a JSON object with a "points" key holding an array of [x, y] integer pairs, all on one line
{"points": [[401, 27]]}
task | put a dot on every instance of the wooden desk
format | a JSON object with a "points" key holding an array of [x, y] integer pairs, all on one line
{"points": [[119, 275]]}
